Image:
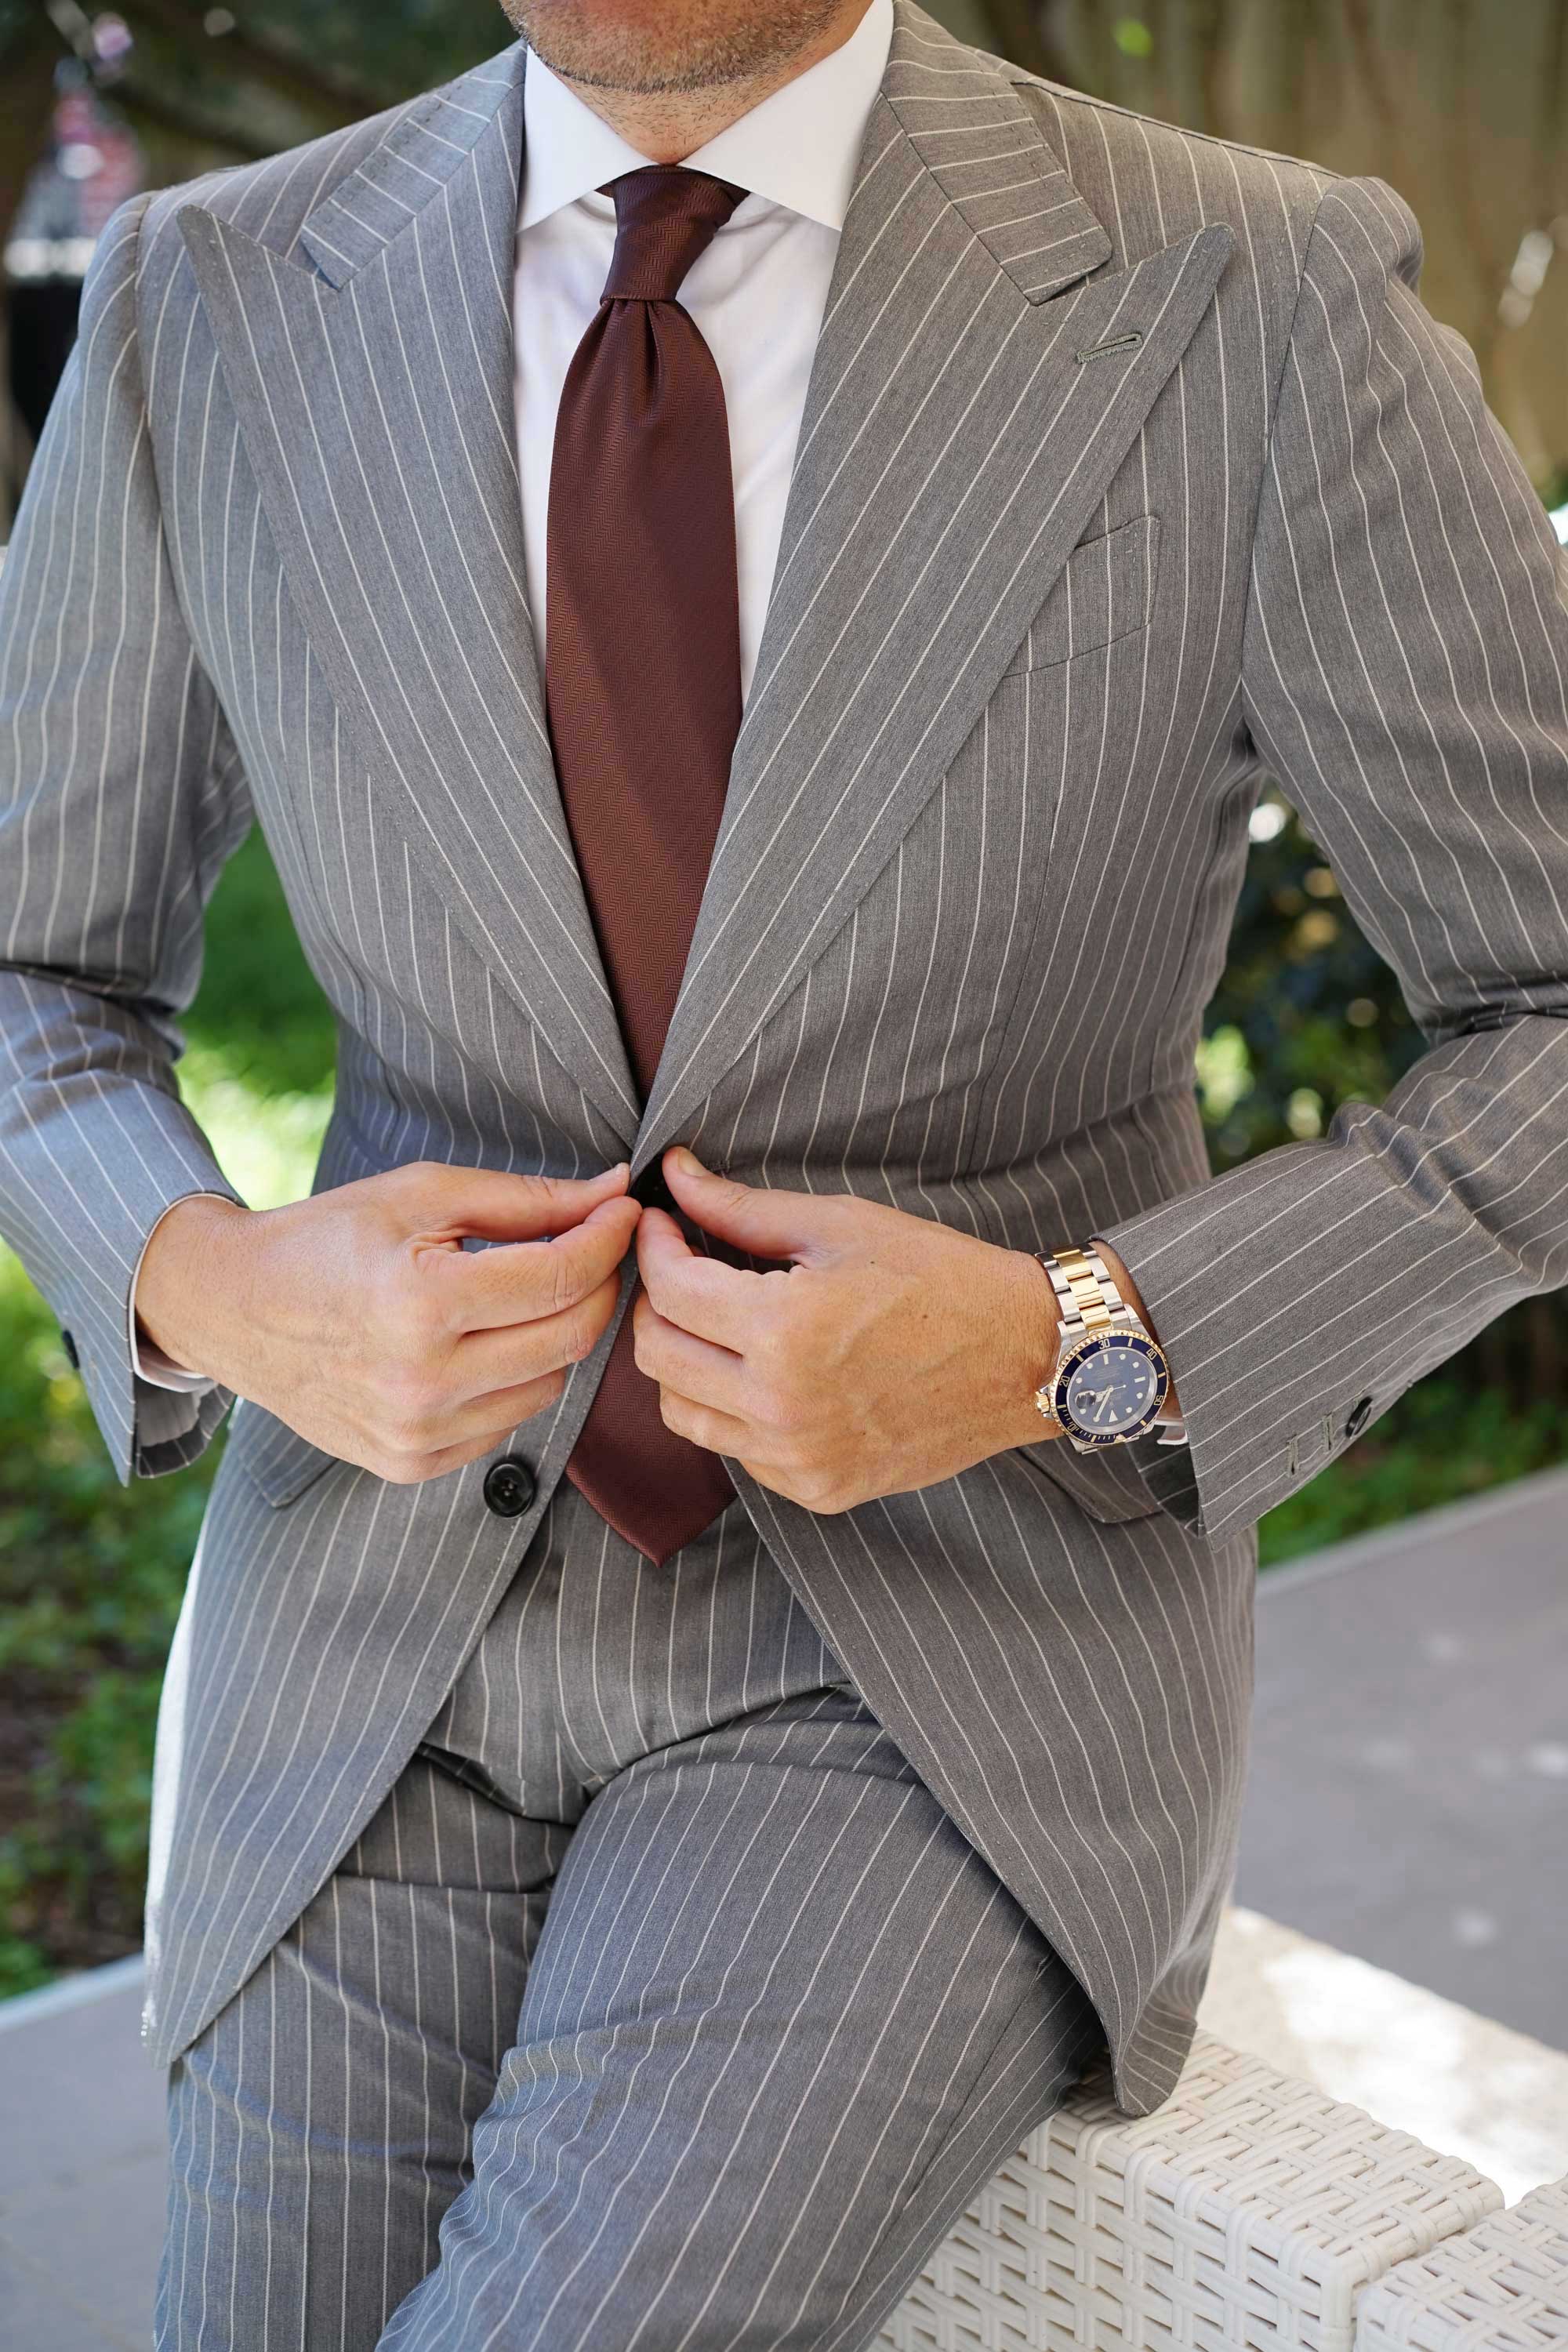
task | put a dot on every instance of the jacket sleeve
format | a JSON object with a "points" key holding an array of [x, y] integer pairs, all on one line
{"points": [[1405, 677], [120, 797]]}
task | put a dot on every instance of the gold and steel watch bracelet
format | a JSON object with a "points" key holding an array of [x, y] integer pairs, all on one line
{"points": [[1088, 1297], [1081, 1281], [1089, 1301]]}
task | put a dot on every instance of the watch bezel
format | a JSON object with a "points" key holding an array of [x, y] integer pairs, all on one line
{"points": [[1096, 1343]]}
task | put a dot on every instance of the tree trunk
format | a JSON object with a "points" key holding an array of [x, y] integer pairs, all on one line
{"points": [[1468, 123]]}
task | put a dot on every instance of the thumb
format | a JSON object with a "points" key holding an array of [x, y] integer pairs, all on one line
{"points": [[764, 1221]]}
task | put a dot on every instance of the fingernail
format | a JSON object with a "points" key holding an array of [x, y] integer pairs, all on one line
{"points": [[686, 1161]]}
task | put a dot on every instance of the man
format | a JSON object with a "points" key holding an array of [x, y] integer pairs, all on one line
{"points": [[749, 562]]}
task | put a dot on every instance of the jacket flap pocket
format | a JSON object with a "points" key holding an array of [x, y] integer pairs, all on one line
{"points": [[1105, 590], [277, 1460]]}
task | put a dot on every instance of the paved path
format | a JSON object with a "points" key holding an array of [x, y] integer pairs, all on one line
{"points": [[1409, 1792], [82, 2168], [1408, 1803]]}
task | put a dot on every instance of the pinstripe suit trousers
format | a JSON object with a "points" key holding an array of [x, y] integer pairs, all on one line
{"points": [[661, 2005]]}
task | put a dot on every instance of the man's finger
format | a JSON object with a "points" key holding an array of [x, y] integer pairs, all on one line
{"points": [[703, 1295], [504, 1354], [520, 1282], [720, 1433], [758, 1219], [495, 1205], [696, 1368]]}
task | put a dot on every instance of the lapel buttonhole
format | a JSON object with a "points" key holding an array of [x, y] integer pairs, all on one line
{"points": [[1117, 343]]}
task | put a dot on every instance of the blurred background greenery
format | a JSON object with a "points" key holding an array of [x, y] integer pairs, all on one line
{"points": [[1461, 105]]}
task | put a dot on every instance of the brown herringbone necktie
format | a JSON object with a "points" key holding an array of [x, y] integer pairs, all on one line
{"points": [[642, 671]]}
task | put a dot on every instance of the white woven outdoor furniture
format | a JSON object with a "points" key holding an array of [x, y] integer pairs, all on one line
{"points": [[1502, 2287], [1249, 2210]]}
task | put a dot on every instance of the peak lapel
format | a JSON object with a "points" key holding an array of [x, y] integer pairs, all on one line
{"points": [[374, 395], [953, 448]]}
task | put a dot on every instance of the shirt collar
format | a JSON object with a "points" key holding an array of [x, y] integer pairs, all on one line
{"points": [[799, 148]]}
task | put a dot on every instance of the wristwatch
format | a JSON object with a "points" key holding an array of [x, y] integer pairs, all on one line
{"points": [[1111, 1376]]}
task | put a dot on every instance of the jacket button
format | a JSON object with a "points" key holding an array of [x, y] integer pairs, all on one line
{"points": [[1360, 1414], [508, 1486], [69, 1344]]}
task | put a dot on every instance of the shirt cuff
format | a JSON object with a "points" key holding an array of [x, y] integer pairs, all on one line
{"points": [[150, 1363]]}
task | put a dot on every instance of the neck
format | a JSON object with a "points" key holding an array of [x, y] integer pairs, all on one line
{"points": [[667, 125]]}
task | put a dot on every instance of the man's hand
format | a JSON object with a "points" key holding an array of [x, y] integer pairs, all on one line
{"points": [[359, 1318], [891, 1352]]}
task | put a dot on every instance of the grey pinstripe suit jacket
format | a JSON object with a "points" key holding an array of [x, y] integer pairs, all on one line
{"points": [[1131, 462]]}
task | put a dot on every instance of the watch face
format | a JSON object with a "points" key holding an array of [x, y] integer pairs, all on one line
{"points": [[1112, 1386]]}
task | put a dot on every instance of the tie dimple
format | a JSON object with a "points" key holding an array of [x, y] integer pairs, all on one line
{"points": [[664, 216]]}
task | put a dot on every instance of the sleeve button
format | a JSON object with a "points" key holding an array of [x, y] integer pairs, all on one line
{"points": [[1360, 1414], [509, 1487], [69, 1344]]}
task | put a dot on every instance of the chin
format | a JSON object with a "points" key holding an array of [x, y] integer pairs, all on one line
{"points": [[667, 45]]}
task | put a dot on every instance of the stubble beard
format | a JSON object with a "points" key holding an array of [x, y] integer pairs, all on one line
{"points": [[674, 45]]}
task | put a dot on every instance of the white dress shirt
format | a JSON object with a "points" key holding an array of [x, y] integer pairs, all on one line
{"points": [[757, 293]]}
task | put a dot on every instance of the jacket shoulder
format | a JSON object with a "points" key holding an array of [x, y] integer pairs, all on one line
{"points": [[1123, 128], [1149, 180]]}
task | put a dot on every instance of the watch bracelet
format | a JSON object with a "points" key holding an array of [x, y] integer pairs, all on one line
{"points": [[1079, 1278], [1084, 1288]]}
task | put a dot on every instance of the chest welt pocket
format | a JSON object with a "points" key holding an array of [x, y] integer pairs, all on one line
{"points": [[1105, 590], [277, 1460]]}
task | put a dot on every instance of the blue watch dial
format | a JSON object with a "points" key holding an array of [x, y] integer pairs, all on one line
{"points": [[1111, 1386]]}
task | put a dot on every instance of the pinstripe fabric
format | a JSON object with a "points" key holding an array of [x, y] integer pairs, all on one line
{"points": [[595, 1658], [659, 2004], [1130, 461]]}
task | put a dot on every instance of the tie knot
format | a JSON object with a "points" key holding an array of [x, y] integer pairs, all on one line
{"points": [[664, 216]]}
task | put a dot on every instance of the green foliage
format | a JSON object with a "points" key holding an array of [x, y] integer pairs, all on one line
{"points": [[1307, 1017], [1132, 37], [259, 1011], [90, 1575], [91, 1572], [1441, 1442], [1306, 1013]]}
